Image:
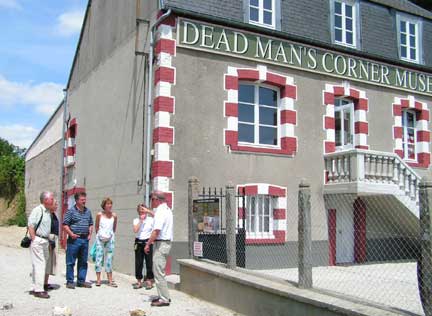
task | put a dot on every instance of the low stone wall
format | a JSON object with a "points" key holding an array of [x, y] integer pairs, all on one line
{"points": [[255, 296]]}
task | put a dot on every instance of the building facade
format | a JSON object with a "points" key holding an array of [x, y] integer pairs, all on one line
{"points": [[259, 93]]}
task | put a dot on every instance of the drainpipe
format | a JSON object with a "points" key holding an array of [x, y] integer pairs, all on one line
{"points": [[62, 155], [149, 105]]}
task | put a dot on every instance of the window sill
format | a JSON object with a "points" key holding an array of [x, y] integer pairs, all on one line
{"points": [[413, 61], [267, 26], [264, 241], [346, 45]]}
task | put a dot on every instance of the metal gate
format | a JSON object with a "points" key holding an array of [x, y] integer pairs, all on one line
{"points": [[209, 220]]}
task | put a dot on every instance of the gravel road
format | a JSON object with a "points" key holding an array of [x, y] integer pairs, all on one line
{"points": [[15, 266]]}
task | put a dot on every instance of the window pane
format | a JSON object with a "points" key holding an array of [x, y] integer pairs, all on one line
{"points": [[245, 133], [349, 38], [338, 21], [403, 51], [254, 2], [412, 41], [267, 205], [246, 93], [268, 4], [412, 29], [411, 151], [253, 14], [347, 127], [403, 27], [410, 119], [267, 97], [268, 116], [413, 53], [338, 127], [268, 135], [246, 113], [403, 39], [253, 214], [349, 24], [338, 7], [268, 18], [338, 35], [266, 224], [348, 10]]}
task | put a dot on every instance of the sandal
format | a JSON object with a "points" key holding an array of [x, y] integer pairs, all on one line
{"points": [[98, 283], [112, 284], [149, 286]]}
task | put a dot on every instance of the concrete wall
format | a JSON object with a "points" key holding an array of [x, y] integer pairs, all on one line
{"points": [[42, 174]]}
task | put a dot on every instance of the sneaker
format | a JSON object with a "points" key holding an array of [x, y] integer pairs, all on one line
{"points": [[41, 294], [85, 285], [70, 286]]}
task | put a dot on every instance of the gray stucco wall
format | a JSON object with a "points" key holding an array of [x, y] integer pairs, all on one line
{"points": [[42, 174]]}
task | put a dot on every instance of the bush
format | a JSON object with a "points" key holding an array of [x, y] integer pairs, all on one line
{"points": [[20, 217]]}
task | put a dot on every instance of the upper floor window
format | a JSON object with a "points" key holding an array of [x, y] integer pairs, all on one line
{"points": [[409, 38], [345, 22], [409, 134], [258, 115], [344, 123], [262, 12]]}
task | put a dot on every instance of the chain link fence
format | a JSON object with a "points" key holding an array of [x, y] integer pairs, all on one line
{"points": [[366, 248]]}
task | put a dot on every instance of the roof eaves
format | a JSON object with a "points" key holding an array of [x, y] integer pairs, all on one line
{"points": [[405, 6], [89, 3]]}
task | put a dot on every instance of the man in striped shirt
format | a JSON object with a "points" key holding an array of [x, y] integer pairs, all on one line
{"points": [[78, 224]]}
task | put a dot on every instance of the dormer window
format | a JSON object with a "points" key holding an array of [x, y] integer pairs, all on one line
{"points": [[345, 22], [262, 12], [409, 38]]}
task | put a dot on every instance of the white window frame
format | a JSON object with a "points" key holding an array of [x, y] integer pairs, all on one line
{"points": [[346, 107], [256, 124], [275, 14], [355, 25], [405, 135], [257, 234], [401, 17]]}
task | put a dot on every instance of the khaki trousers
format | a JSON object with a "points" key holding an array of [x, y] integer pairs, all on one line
{"points": [[161, 251], [39, 255]]}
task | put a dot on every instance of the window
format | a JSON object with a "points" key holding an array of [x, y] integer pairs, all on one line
{"points": [[258, 115], [344, 123], [409, 38], [262, 12], [409, 134], [259, 217], [344, 18]]}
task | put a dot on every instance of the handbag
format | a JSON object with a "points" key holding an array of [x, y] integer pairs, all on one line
{"points": [[26, 241]]}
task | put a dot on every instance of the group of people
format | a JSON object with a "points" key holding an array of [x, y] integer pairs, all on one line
{"points": [[153, 235]]}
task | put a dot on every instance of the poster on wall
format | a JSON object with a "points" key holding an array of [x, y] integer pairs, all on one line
{"points": [[206, 215]]}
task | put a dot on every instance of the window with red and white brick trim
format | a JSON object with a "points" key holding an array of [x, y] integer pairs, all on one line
{"points": [[262, 212], [260, 112], [411, 131]]}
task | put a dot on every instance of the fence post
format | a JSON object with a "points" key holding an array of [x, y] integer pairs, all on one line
{"points": [[304, 236], [193, 191], [424, 263], [230, 226]]}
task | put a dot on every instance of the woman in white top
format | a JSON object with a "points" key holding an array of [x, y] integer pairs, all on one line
{"points": [[142, 227], [106, 224]]}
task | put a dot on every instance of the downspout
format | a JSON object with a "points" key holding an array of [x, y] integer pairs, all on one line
{"points": [[62, 165], [149, 106]]}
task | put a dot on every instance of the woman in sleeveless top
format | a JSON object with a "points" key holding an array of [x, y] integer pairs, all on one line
{"points": [[106, 224], [142, 227]]}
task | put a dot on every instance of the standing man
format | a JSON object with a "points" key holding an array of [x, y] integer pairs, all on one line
{"points": [[78, 224], [161, 236], [39, 227]]}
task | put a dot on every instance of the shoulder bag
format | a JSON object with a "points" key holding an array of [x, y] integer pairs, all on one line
{"points": [[26, 241]]}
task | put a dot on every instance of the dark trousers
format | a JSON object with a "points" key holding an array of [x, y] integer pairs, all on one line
{"points": [[76, 249], [140, 257]]}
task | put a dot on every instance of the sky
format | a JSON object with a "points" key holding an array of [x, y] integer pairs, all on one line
{"points": [[38, 39]]}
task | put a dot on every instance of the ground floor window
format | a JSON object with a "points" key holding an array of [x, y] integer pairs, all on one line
{"points": [[344, 123], [259, 218], [409, 137]]}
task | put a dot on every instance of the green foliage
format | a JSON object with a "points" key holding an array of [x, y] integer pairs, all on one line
{"points": [[12, 169], [20, 217]]}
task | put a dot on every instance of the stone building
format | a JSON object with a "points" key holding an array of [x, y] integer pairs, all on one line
{"points": [[260, 93]]}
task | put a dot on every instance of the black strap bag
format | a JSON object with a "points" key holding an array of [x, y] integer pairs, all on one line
{"points": [[26, 241]]}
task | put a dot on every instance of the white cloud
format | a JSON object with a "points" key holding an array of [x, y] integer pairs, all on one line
{"points": [[11, 4], [69, 23], [19, 135], [44, 97]]}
